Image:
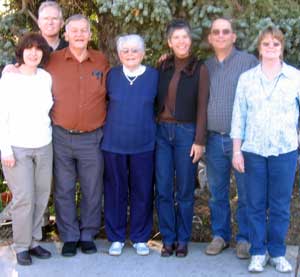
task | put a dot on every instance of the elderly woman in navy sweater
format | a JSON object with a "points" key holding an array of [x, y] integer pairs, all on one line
{"points": [[128, 145]]}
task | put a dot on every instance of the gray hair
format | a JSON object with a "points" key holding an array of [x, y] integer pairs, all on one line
{"points": [[77, 17], [132, 38], [51, 4]]}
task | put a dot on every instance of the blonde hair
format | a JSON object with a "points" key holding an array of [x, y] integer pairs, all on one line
{"points": [[275, 33]]}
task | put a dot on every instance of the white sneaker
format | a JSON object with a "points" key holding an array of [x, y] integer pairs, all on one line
{"points": [[141, 248], [257, 263], [281, 264], [116, 248]]}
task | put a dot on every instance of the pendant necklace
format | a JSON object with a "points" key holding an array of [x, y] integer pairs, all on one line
{"points": [[131, 81], [131, 76]]}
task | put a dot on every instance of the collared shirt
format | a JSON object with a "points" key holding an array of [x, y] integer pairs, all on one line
{"points": [[25, 102], [78, 90], [223, 81], [265, 114]]}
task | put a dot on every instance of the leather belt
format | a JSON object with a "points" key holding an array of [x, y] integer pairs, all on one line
{"points": [[73, 132]]}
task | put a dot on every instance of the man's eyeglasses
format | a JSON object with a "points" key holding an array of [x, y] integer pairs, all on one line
{"points": [[217, 32]]}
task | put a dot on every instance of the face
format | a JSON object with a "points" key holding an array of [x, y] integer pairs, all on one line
{"points": [[32, 56], [78, 34], [50, 22], [180, 42], [131, 55], [221, 36], [270, 48]]}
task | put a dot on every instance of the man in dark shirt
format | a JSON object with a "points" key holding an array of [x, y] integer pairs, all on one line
{"points": [[78, 114], [224, 68], [50, 21]]}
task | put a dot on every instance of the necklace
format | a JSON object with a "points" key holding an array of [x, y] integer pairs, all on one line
{"points": [[131, 81], [132, 75]]}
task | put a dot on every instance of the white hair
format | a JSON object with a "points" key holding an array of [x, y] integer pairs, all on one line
{"points": [[131, 38], [77, 17], [51, 4]]}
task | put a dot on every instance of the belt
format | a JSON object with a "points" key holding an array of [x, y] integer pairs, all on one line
{"points": [[217, 133], [72, 131]]}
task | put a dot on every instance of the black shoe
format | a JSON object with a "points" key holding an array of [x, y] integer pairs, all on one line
{"points": [[23, 258], [167, 250], [181, 250], [40, 252], [69, 249], [88, 247]]}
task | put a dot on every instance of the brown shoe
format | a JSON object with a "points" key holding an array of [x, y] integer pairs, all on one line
{"points": [[181, 250], [242, 250], [167, 250], [216, 246]]}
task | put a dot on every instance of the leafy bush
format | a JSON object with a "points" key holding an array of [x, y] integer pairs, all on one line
{"points": [[149, 18]]}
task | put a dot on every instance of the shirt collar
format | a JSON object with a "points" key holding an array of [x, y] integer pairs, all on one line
{"points": [[69, 55], [285, 71], [229, 57]]}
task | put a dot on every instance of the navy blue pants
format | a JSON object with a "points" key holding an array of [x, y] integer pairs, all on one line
{"points": [[77, 157], [128, 178], [269, 183]]}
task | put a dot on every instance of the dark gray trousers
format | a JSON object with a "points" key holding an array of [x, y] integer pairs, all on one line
{"points": [[77, 158]]}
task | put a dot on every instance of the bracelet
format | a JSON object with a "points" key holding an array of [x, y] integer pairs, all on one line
{"points": [[237, 153]]}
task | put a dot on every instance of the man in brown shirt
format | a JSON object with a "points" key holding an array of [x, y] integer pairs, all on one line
{"points": [[78, 114]]}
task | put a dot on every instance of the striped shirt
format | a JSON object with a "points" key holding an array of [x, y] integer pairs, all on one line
{"points": [[223, 82]]}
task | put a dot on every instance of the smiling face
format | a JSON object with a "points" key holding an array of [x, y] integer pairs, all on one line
{"points": [[270, 48], [180, 42], [131, 55], [32, 56], [78, 34], [221, 36], [50, 22]]}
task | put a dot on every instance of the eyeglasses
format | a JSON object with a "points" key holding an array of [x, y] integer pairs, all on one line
{"points": [[267, 44], [217, 32], [132, 51]]}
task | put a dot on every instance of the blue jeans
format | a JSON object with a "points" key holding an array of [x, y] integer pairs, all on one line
{"points": [[175, 200], [269, 183], [218, 157]]}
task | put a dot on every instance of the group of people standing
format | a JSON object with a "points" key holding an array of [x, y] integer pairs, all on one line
{"points": [[133, 126]]}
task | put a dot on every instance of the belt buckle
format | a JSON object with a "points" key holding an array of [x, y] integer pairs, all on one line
{"points": [[75, 132]]}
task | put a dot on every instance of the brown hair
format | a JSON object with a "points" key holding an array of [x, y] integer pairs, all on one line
{"points": [[275, 33], [32, 40]]}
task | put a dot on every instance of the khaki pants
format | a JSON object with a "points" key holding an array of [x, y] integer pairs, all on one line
{"points": [[30, 182]]}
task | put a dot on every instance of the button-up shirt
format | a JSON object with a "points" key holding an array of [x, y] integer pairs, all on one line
{"points": [[78, 90], [223, 78], [265, 113]]}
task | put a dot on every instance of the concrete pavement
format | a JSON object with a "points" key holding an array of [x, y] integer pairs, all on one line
{"points": [[129, 264]]}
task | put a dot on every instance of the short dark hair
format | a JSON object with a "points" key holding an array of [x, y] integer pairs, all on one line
{"points": [[225, 18], [177, 24], [32, 40]]}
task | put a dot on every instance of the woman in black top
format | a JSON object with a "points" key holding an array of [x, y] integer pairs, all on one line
{"points": [[182, 105]]}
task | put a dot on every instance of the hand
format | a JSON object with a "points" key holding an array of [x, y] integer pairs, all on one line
{"points": [[11, 68], [196, 152], [238, 161], [162, 58], [8, 161]]}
